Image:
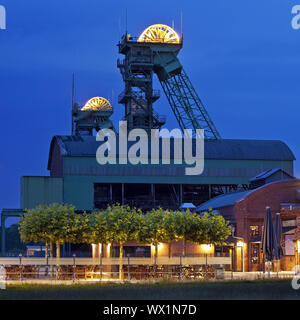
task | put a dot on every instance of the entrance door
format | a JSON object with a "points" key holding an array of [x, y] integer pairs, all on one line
{"points": [[255, 257], [239, 259]]}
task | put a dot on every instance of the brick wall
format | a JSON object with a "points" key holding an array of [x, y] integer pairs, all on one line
{"points": [[251, 210]]}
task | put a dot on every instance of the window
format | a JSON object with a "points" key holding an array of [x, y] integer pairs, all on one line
{"points": [[222, 251], [195, 193], [254, 254], [289, 245], [107, 193], [254, 232], [133, 251]]}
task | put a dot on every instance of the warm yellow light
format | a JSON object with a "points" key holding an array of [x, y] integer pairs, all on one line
{"points": [[108, 249], [94, 250], [206, 247], [298, 246], [159, 33], [159, 246], [97, 104], [240, 244]]}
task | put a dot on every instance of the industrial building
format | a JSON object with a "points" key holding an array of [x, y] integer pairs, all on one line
{"points": [[246, 211], [75, 176]]}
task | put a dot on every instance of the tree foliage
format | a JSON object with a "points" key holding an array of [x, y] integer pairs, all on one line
{"points": [[53, 223], [150, 230], [213, 229], [57, 223], [99, 230]]}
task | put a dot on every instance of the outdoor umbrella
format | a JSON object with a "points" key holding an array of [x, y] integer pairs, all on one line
{"points": [[269, 243], [278, 232], [187, 205]]}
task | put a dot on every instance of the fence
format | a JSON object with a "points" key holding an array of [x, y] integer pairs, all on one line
{"points": [[108, 268], [202, 260]]}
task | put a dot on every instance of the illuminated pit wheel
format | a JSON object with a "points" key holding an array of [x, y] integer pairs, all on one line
{"points": [[97, 104], [159, 33]]}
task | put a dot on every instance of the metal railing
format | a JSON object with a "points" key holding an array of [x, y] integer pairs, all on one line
{"points": [[163, 260], [129, 272], [23, 268]]}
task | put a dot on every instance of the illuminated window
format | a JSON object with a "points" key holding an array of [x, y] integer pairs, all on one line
{"points": [[289, 245], [254, 232], [254, 254]]}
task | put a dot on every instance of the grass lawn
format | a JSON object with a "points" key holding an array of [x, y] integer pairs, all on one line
{"points": [[259, 289]]}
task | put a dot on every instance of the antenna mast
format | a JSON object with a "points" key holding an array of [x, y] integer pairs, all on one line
{"points": [[73, 91], [126, 20], [181, 22]]}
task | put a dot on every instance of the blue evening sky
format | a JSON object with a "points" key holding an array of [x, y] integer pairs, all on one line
{"points": [[242, 57]]}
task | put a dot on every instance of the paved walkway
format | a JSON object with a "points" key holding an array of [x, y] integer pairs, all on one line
{"points": [[258, 275]]}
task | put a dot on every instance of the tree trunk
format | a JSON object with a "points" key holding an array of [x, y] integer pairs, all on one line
{"points": [[121, 263], [46, 257], [101, 256], [46, 251], [111, 250], [169, 248], [57, 249], [156, 250], [169, 267], [51, 249], [184, 247], [51, 256]]}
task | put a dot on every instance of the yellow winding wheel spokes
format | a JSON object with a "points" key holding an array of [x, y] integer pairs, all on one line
{"points": [[159, 33], [97, 104]]}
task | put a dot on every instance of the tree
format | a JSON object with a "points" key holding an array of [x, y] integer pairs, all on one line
{"points": [[52, 223], [123, 225], [78, 228], [61, 224], [34, 226], [169, 229], [218, 228], [100, 232], [212, 229], [151, 230], [186, 227]]}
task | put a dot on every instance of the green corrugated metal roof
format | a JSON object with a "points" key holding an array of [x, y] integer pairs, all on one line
{"points": [[268, 173], [226, 149]]}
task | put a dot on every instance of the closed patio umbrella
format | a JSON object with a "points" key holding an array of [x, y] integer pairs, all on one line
{"points": [[269, 241], [278, 232]]}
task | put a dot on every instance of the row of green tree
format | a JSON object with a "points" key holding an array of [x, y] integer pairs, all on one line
{"points": [[57, 224]]}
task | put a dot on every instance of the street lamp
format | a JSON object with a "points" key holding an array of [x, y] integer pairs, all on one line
{"points": [[128, 257], [206, 248]]}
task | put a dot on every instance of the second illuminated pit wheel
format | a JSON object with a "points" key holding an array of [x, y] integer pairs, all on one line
{"points": [[97, 104]]}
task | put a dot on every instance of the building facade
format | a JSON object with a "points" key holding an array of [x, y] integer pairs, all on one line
{"points": [[246, 212]]}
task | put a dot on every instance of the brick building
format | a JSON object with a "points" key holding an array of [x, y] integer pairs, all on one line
{"points": [[246, 212]]}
